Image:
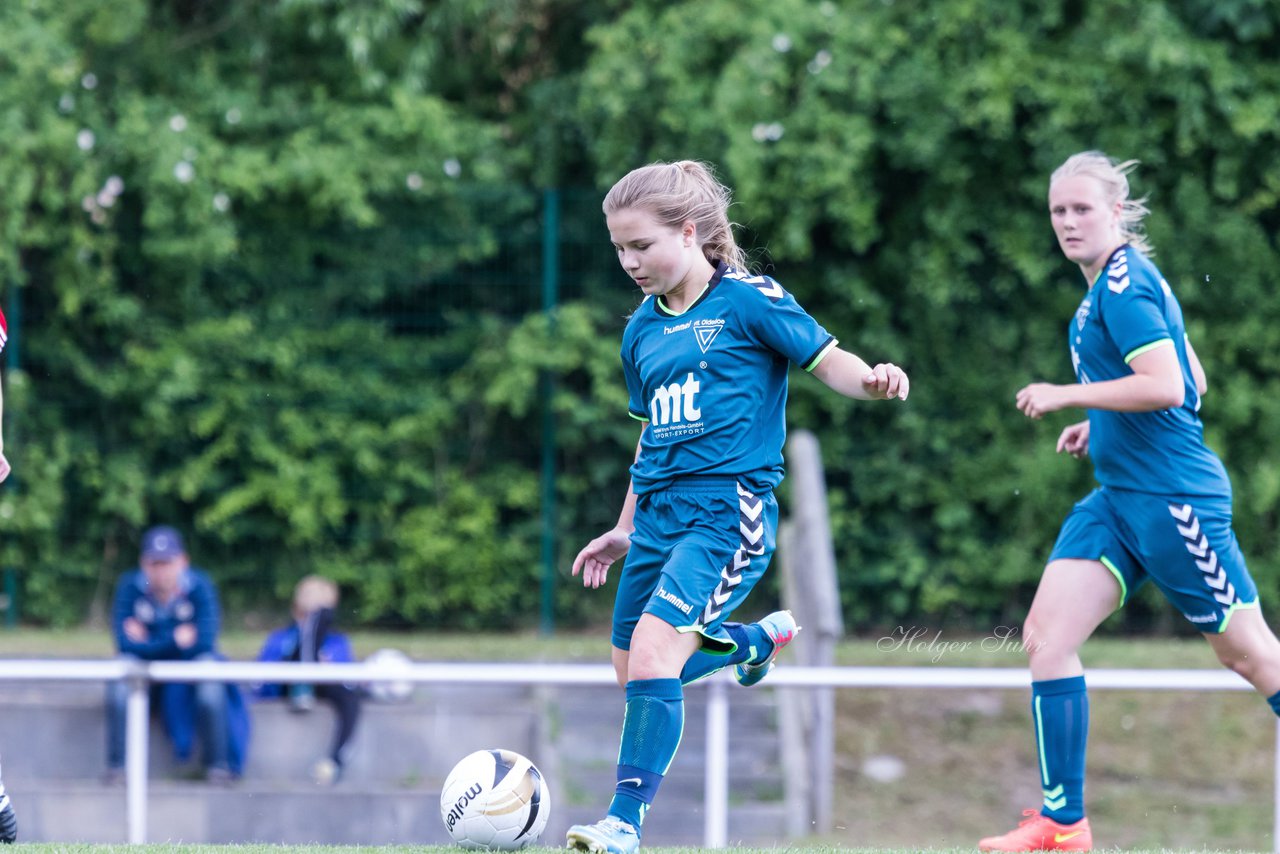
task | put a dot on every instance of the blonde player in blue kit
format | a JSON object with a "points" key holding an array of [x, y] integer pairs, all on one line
{"points": [[1162, 510], [706, 358]]}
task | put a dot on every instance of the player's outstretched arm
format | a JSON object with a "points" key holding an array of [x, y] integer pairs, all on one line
{"points": [[1156, 383], [849, 375]]}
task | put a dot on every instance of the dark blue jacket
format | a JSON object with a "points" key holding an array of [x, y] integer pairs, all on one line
{"points": [[282, 645], [196, 603]]}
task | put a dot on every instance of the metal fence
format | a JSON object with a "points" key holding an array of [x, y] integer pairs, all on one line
{"points": [[140, 675]]}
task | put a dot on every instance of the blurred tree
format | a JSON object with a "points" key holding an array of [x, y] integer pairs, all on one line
{"points": [[281, 267]]}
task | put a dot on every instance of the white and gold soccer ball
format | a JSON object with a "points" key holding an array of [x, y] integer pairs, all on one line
{"points": [[495, 800]]}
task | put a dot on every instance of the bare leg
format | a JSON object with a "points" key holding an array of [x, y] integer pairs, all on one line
{"points": [[1073, 599], [1250, 648]]}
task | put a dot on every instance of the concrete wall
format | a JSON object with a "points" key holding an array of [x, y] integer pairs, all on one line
{"points": [[52, 743]]}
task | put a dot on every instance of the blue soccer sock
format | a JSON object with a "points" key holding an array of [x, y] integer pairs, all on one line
{"points": [[651, 734], [1274, 702], [1060, 709], [753, 644]]}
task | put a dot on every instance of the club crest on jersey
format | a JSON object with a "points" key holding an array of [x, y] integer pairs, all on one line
{"points": [[1082, 314], [706, 331]]}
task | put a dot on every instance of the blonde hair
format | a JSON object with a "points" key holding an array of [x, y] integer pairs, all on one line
{"points": [[680, 192], [313, 593], [1113, 176]]}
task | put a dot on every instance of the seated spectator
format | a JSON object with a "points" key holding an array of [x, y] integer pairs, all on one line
{"points": [[167, 610], [311, 637]]}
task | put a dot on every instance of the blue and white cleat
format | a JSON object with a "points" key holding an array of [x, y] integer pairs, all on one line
{"points": [[610, 835], [781, 628]]}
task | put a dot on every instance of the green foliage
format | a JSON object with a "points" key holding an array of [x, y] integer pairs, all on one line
{"points": [[281, 272]]}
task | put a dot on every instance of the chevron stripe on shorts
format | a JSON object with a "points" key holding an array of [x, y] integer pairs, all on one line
{"points": [[751, 529], [1215, 575]]}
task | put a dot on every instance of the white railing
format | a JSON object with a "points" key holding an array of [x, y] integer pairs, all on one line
{"points": [[140, 675]]}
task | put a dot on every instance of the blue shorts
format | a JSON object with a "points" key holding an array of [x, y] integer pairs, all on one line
{"points": [[699, 547], [1183, 543]]}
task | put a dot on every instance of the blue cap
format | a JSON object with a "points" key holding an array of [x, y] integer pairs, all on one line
{"points": [[161, 543]]}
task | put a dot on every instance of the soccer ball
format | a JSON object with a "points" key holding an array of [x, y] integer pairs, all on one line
{"points": [[496, 800], [391, 661]]}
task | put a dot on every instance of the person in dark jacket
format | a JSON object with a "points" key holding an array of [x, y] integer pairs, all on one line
{"points": [[312, 637], [167, 610]]}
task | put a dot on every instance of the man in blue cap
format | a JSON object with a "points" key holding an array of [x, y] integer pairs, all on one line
{"points": [[168, 610]]}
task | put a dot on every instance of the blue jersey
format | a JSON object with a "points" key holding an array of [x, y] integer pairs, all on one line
{"points": [[1128, 311], [196, 603], [711, 382]]}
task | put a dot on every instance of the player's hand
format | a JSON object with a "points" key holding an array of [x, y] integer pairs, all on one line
{"points": [[185, 636], [135, 631], [4, 467], [1039, 399], [1075, 440], [886, 381], [599, 554]]}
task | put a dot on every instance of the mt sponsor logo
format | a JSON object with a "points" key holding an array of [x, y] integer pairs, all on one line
{"points": [[675, 403]]}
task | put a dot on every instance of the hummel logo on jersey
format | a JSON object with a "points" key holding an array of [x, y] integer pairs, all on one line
{"points": [[674, 403]]}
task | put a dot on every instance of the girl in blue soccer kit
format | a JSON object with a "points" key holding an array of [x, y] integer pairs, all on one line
{"points": [[1162, 511], [705, 357]]}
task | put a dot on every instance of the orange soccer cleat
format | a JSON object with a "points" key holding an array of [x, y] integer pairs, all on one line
{"points": [[1041, 833]]}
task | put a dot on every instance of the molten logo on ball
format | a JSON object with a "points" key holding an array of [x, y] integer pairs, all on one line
{"points": [[496, 800]]}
